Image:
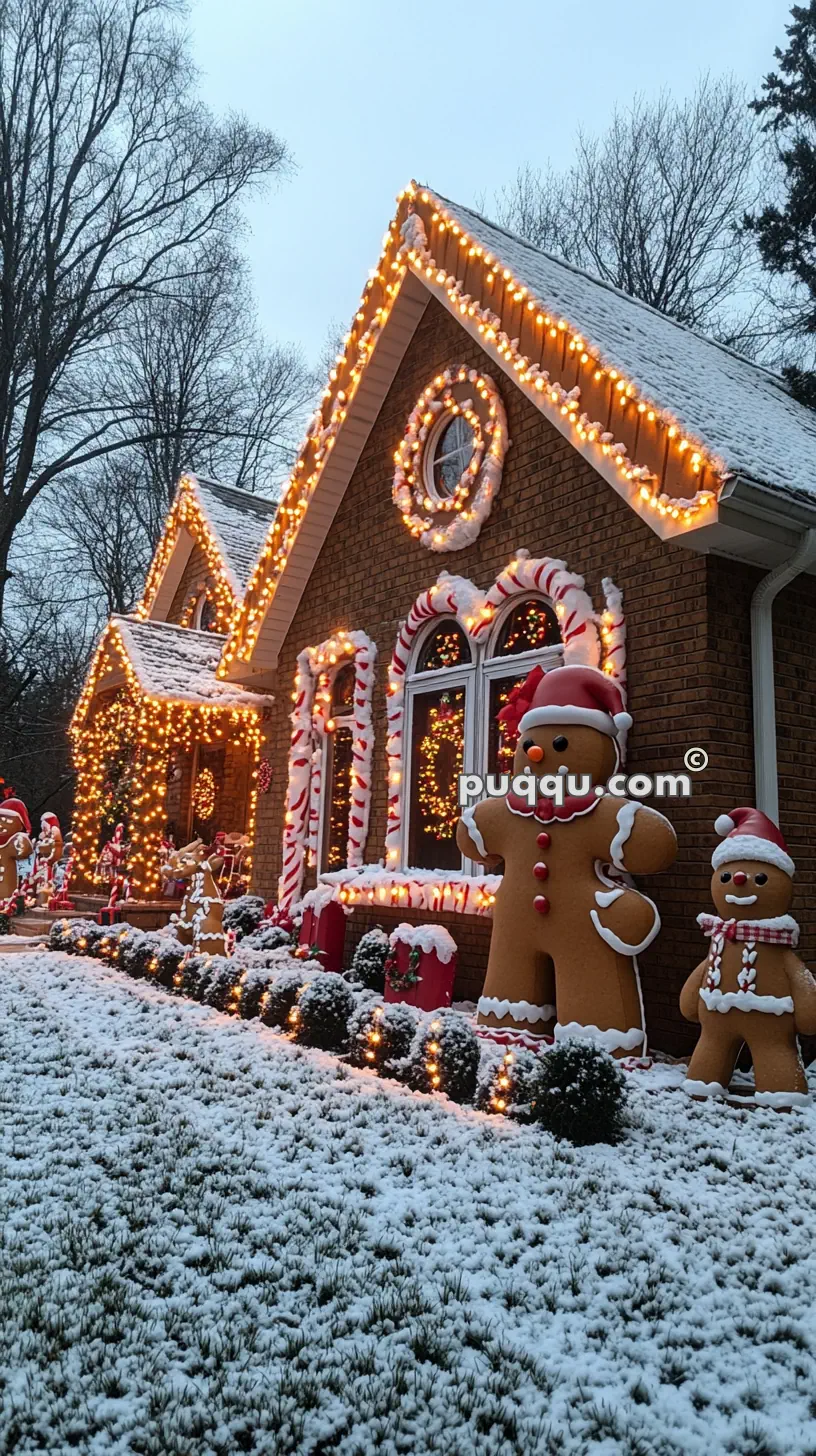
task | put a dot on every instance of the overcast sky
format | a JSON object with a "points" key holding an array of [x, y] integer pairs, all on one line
{"points": [[369, 94]]}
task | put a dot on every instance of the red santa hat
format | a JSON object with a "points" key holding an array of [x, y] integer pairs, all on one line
{"points": [[50, 819], [16, 806], [567, 695], [750, 834]]}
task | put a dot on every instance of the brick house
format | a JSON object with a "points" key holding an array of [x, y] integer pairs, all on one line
{"points": [[599, 484]]}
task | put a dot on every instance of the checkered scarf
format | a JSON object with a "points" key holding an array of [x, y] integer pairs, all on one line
{"points": [[766, 932]]}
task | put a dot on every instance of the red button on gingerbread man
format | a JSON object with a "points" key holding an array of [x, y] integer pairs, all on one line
{"points": [[564, 961]]}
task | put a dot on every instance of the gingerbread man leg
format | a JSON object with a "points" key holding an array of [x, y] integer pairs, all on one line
{"points": [[778, 1069], [530, 997], [600, 1002], [715, 1055]]}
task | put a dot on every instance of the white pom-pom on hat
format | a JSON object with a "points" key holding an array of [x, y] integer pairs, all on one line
{"points": [[724, 824]]}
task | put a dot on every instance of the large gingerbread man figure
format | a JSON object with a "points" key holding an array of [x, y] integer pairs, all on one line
{"points": [[751, 987], [15, 843], [567, 924]]}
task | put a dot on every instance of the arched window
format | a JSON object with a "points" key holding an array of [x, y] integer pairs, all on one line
{"points": [[526, 635], [205, 615], [440, 721], [339, 759]]}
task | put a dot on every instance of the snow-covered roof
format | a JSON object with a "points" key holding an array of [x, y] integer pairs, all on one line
{"points": [[239, 522], [742, 412], [179, 663]]}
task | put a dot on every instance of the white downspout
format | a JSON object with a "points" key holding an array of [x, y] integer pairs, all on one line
{"points": [[762, 672]]}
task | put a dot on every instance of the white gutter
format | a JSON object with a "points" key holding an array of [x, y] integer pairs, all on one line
{"points": [[762, 672]]}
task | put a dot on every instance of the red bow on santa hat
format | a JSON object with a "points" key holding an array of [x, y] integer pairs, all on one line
{"points": [[519, 702]]}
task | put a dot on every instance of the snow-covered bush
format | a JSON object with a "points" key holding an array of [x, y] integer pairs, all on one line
{"points": [[279, 998], [108, 946], [224, 976], [580, 1093], [507, 1082], [137, 952], [5, 923], [380, 1033], [243, 915], [59, 935], [165, 961], [253, 982], [444, 1057], [79, 937], [196, 974], [368, 962], [320, 1015], [268, 937]]}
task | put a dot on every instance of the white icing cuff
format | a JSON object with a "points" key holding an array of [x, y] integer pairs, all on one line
{"points": [[703, 1089], [746, 1001], [469, 821], [520, 1010], [782, 1099], [611, 1040]]}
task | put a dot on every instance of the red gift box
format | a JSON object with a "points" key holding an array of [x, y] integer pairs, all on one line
{"points": [[108, 915], [326, 931], [407, 959]]}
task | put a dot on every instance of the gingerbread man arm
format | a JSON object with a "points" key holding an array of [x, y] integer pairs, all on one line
{"points": [[803, 991], [22, 846], [479, 833], [637, 839], [690, 994]]}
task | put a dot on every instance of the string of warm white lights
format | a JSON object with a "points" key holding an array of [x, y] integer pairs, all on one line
{"points": [[472, 498], [187, 513], [156, 728], [405, 247]]}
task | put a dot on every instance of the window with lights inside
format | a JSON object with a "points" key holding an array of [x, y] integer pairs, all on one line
{"points": [[338, 762], [454, 692]]}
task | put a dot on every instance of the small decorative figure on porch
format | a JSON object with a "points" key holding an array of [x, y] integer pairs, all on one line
{"points": [[15, 843], [751, 987], [112, 858], [567, 924], [48, 848], [199, 921]]}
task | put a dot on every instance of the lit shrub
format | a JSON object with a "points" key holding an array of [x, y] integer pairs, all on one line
{"points": [[267, 937], [59, 936], [251, 987], [380, 1033], [320, 1015], [224, 976], [165, 961], [279, 998], [580, 1094], [196, 974], [444, 1057], [507, 1083], [80, 937]]}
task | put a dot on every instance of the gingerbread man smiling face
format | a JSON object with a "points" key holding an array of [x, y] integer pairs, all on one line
{"points": [[15, 844]]}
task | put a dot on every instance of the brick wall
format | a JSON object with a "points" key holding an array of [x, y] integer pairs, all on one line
{"points": [[688, 630], [196, 575]]}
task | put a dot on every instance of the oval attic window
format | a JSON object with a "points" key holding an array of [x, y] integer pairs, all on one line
{"points": [[450, 457]]}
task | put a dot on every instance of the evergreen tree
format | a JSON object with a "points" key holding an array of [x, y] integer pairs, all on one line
{"points": [[786, 231]]}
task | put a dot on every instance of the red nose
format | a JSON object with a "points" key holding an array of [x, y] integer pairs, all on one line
{"points": [[740, 878]]}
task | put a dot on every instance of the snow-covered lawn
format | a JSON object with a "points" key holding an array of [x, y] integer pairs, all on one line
{"points": [[214, 1241]]}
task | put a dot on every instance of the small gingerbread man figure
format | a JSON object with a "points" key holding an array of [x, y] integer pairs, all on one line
{"points": [[751, 988], [567, 923], [15, 843]]}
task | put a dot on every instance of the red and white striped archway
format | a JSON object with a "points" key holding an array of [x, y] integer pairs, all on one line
{"points": [[317, 668]]}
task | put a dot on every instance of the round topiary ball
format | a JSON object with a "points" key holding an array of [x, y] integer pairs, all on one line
{"points": [[165, 961], [254, 982], [381, 1033], [319, 1017], [243, 915], [59, 936], [137, 952], [80, 937], [196, 974], [368, 962], [580, 1093], [444, 1057], [279, 997], [507, 1083]]}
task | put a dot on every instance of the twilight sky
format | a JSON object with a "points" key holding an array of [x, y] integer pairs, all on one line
{"points": [[369, 94]]}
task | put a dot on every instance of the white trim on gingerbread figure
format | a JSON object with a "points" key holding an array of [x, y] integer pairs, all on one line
{"points": [[316, 670]]}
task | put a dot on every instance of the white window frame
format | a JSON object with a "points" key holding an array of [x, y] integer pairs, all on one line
{"points": [[476, 678], [429, 455], [437, 680]]}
